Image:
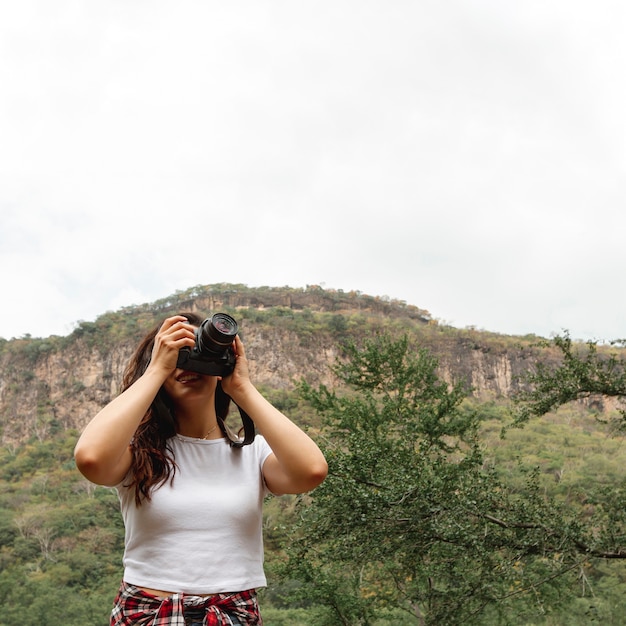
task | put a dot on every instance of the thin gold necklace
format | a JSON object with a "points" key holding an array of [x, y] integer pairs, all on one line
{"points": [[212, 429]]}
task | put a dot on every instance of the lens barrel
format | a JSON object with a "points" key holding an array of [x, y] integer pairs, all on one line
{"points": [[216, 334]]}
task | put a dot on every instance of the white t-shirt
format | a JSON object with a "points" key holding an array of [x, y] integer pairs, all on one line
{"points": [[202, 534]]}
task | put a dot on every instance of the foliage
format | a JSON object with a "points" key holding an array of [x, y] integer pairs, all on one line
{"points": [[60, 539], [411, 518], [583, 371], [557, 485]]}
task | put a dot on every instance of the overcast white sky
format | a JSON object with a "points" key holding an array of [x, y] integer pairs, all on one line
{"points": [[467, 157]]}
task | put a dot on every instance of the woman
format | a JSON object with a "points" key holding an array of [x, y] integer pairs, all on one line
{"points": [[191, 501]]}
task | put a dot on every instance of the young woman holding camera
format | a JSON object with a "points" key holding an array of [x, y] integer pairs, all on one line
{"points": [[191, 494]]}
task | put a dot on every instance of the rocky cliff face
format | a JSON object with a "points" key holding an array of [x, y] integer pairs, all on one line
{"points": [[60, 383], [65, 389]]}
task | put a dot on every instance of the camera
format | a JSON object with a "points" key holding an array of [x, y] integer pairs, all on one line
{"points": [[213, 354]]}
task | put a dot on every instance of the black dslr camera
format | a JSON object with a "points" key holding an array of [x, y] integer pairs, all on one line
{"points": [[213, 354]]}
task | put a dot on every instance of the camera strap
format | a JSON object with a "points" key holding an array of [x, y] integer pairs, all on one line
{"points": [[222, 402], [249, 430]]}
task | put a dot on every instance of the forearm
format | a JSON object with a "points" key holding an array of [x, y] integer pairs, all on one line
{"points": [[302, 465], [102, 451]]}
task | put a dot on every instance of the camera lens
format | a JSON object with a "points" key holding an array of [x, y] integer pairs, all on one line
{"points": [[216, 334], [224, 324]]}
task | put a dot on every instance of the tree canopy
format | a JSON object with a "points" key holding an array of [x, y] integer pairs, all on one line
{"points": [[581, 371], [411, 519]]}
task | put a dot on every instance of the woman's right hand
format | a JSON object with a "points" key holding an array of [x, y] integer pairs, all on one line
{"points": [[175, 333]]}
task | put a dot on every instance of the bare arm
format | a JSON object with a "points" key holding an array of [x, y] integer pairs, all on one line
{"points": [[102, 453], [297, 465]]}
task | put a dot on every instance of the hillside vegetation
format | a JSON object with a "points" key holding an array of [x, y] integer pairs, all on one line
{"points": [[61, 538]]}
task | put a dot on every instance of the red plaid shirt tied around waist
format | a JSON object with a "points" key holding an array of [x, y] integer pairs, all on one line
{"points": [[134, 607]]}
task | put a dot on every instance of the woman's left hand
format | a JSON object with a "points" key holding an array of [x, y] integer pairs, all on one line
{"points": [[239, 381]]}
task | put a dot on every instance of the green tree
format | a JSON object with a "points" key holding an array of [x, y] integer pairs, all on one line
{"points": [[410, 518], [579, 371]]}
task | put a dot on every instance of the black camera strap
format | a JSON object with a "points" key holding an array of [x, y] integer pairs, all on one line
{"points": [[249, 430]]}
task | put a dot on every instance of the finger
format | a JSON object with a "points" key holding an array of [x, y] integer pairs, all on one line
{"points": [[171, 321], [239, 349], [182, 337], [176, 324]]}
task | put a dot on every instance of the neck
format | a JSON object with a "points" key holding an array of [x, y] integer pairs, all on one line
{"points": [[200, 425]]}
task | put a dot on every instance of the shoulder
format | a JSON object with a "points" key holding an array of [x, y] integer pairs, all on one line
{"points": [[262, 447]]}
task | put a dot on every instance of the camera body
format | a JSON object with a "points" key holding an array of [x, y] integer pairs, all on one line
{"points": [[213, 354]]}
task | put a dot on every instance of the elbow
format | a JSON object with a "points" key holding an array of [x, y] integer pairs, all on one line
{"points": [[296, 479], [317, 475], [86, 463], [94, 468]]}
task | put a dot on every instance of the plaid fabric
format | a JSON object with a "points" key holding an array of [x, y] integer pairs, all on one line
{"points": [[137, 608]]}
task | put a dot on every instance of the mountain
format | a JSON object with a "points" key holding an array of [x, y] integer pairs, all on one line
{"points": [[58, 383]]}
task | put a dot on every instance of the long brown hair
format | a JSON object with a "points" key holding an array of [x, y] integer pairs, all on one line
{"points": [[152, 461]]}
